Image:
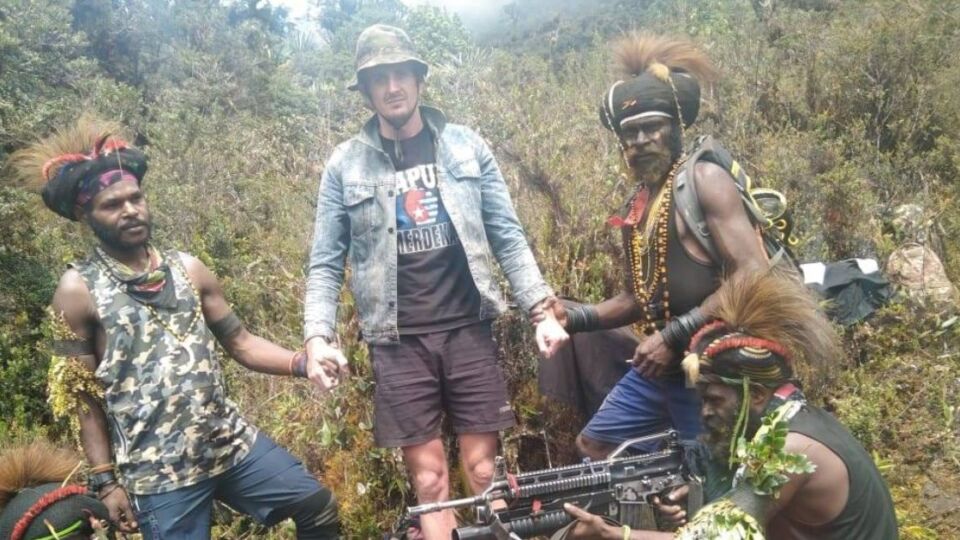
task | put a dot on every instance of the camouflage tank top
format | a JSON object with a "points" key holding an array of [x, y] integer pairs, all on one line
{"points": [[171, 422]]}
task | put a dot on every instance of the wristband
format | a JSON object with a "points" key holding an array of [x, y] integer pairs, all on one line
{"points": [[298, 365], [96, 481], [678, 330], [582, 319], [626, 532]]}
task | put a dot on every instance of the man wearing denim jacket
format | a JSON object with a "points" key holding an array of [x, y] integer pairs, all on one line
{"points": [[421, 209]]}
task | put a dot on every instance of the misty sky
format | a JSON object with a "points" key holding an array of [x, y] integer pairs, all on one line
{"points": [[474, 13]]}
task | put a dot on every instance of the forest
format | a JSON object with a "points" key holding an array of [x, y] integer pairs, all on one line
{"points": [[849, 107]]}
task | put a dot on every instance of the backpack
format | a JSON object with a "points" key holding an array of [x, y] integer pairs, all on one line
{"points": [[766, 208]]}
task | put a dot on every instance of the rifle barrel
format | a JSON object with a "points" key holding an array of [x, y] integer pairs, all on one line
{"points": [[445, 505]]}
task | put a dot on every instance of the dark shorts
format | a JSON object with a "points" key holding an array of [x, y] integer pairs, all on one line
{"points": [[267, 479], [425, 375]]}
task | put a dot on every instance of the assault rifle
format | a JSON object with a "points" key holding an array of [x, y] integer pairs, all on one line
{"points": [[620, 487]]}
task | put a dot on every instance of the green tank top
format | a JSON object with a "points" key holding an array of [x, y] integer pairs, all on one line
{"points": [[171, 422], [869, 513]]}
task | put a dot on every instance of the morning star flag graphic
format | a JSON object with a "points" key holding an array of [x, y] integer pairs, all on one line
{"points": [[422, 221]]}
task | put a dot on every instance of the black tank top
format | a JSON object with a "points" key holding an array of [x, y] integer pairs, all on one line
{"points": [[689, 281], [868, 514]]}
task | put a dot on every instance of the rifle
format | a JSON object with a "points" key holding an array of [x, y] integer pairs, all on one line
{"points": [[620, 487]]}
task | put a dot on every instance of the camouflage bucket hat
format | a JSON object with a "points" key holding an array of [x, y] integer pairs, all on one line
{"points": [[381, 44]]}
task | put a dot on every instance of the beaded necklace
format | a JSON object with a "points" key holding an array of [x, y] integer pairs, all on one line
{"points": [[648, 255], [197, 311]]}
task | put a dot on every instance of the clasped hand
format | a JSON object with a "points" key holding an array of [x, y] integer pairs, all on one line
{"points": [[326, 365]]}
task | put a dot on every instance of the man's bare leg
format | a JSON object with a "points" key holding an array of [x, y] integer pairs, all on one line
{"points": [[427, 465], [477, 451]]}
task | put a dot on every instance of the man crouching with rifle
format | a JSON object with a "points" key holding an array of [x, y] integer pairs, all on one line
{"points": [[794, 471]]}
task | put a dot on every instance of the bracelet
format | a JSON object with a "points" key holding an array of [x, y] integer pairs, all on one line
{"points": [[298, 365], [626, 532], [109, 491], [101, 468], [678, 331], [582, 318], [96, 481]]}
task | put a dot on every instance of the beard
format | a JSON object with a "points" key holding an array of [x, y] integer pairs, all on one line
{"points": [[112, 236], [651, 165], [648, 167], [718, 430]]}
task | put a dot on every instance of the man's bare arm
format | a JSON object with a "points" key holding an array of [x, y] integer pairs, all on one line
{"points": [[737, 240], [251, 351], [72, 300], [816, 498], [618, 311], [740, 248]]}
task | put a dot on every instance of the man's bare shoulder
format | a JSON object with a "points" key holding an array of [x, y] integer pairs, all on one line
{"points": [[73, 299], [198, 272], [830, 474], [71, 288], [714, 179], [802, 444]]}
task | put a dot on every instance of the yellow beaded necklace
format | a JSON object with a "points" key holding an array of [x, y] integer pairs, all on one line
{"points": [[197, 313], [649, 266]]}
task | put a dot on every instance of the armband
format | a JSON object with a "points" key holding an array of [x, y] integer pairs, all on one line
{"points": [[226, 326], [678, 330], [582, 319], [72, 347]]}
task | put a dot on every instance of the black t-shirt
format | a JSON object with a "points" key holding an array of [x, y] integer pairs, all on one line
{"points": [[435, 291]]}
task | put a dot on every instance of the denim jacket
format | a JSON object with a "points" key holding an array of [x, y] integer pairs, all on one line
{"points": [[356, 217]]}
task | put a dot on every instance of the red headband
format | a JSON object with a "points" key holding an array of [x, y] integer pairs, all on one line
{"points": [[42, 504]]}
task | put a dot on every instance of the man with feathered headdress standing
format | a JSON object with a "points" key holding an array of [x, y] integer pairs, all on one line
{"points": [[785, 468], [671, 277], [135, 357]]}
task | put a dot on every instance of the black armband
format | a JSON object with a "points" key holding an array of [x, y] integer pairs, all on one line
{"points": [[72, 347], [226, 326], [678, 330], [582, 318]]}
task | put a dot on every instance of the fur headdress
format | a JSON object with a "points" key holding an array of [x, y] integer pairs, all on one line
{"points": [[36, 496], [663, 79], [71, 166], [767, 327]]}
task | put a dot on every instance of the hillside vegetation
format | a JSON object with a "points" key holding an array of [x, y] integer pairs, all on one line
{"points": [[850, 107]]}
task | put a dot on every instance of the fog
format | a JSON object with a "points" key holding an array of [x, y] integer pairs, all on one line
{"points": [[476, 15]]}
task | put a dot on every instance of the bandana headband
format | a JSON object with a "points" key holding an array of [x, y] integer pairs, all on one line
{"points": [[92, 185]]}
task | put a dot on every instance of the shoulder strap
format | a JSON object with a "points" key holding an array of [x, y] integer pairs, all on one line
{"points": [[688, 202]]}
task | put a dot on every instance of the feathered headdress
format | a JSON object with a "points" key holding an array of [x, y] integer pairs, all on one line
{"points": [[767, 326], [71, 166], [664, 75], [36, 496]]}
